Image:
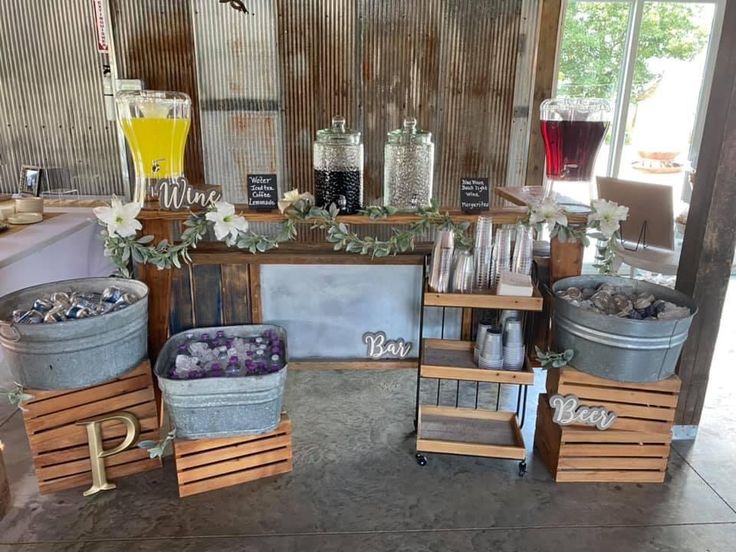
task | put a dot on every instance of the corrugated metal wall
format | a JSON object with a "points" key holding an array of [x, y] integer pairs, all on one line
{"points": [[450, 64], [237, 66], [51, 104], [263, 83], [154, 42]]}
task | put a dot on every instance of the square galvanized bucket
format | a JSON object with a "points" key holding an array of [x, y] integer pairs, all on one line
{"points": [[225, 406]]}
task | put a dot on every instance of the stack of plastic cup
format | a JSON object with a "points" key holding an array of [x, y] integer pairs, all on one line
{"points": [[483, 252], [506, 314], [479, 339], [522, 262], [439, 275], [491, 355], [513, 345], [462, 272], [501, 259]]}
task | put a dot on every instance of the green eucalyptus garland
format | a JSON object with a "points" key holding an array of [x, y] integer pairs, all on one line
{"points": [[164, 255], [124, 250]]}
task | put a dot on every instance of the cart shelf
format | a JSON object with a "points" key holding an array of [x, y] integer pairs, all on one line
{"points": [[484, 300], [471, 432], [452, 359]]}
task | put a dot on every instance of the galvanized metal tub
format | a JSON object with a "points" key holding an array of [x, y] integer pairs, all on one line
{"points": [[75, 353], [619, 348], [226, 406]]}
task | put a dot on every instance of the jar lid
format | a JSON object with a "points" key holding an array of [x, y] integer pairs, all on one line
{"points": [[338, 133], [409, 133]]}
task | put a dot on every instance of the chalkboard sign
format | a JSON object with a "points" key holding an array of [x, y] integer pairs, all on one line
{"points": [[263, 194], [474, 195]]}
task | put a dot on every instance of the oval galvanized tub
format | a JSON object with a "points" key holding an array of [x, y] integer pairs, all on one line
{"points": [[75, 353], [221, 407], [619, 348]]}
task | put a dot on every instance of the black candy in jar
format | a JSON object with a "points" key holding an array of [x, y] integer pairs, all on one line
{"points": [[338, 168]]}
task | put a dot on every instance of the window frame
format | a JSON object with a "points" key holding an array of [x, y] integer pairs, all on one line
{"points": [[626, 75]]}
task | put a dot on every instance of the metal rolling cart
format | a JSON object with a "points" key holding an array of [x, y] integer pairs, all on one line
{"points": [[490, 433]]}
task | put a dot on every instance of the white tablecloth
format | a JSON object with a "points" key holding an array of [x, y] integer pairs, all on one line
{"points": [[66, 246]]}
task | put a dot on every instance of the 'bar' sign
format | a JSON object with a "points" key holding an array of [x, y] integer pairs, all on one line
{"points": [[474, 195], [263, 193]]}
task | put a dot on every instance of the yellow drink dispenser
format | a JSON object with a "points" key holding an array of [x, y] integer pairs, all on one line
{"points": [[155, 125]]}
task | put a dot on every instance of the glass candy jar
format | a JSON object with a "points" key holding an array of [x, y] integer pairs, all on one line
{"points": [[155, 125], [338, 168], [408, 167]]}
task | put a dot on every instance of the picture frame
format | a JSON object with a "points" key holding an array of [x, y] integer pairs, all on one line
{"points": [[29, 182]]}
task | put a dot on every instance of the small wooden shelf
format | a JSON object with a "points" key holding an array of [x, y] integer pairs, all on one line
{"points": [[500, 215], [526, 195], [484, 300], [451, 359], [470, 432]]}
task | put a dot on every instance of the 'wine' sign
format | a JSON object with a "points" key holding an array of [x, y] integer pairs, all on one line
{"points": [[180, 195]]}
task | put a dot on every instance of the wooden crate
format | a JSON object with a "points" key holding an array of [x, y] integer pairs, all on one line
{"points": [[4, 486], [207, 464], [59, 446], [644, 407], [586, 454]]}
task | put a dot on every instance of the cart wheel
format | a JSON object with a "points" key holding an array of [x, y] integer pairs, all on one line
{"points": [[522, 468], [421, 459]]}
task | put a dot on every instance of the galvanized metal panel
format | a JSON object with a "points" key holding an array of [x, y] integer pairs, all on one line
{"points": [[450, 64], [154, 42], [319, 54], [480, 40], [51, 103], [237, 70], [268, 80], [523, 92]]}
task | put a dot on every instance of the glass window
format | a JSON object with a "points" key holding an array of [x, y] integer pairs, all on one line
{"points": [[649, 59], [591, 60]]}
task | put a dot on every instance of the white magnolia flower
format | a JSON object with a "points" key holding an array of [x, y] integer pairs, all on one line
{"points": [[292, 197], [227, 223], [120, 219], [608, 215], [549, 213]]}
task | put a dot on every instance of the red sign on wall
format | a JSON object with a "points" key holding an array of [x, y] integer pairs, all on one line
{"points": [[101, 28]]}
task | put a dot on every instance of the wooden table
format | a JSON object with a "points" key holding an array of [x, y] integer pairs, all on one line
{"points": [[528, 195], [238, 272]]}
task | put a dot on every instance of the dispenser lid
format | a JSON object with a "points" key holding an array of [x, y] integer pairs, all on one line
{"points": [[338, 133], [409, 133]]}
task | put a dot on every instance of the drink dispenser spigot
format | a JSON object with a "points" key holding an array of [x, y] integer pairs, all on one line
{"points": [[338, 167]]}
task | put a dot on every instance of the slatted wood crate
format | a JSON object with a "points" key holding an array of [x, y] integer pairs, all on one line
{"points": [[207, 464], [4, 486], [59, 446], [634, 449]]}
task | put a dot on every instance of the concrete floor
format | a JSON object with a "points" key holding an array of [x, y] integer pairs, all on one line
{"points": [[355, 486]]}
